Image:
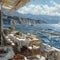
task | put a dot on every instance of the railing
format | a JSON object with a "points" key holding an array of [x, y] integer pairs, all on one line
{"points": [[49, 33]]}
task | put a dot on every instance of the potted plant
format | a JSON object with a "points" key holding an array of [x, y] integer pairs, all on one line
{"points": [[6, 31], [18, 33], [11, 28]]}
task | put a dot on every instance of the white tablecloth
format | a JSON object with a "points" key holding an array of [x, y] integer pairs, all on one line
{"points": [[21, 42]]}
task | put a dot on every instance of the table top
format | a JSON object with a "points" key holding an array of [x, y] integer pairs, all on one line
{"points": [[49, 50]]}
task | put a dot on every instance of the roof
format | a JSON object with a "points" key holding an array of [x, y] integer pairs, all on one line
{"points": [[12, 5]]}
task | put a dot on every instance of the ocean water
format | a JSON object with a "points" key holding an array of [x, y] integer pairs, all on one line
{"points": [[46, 38]]}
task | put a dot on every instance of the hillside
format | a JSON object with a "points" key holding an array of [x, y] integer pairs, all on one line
{"points": [[38, 18], [20, 19], [46, 18]]}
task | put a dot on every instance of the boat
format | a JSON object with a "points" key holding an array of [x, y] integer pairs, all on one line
{"points": [[16, 45]]}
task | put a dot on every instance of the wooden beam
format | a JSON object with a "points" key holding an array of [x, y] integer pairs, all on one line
{"points": [[0, 27], [20, 4], [10, 3]]}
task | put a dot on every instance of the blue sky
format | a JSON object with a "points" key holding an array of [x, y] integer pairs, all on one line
{"points": [[43, 7]]}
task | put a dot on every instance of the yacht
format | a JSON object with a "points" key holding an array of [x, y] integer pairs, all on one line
{"points": [[16, 45]]}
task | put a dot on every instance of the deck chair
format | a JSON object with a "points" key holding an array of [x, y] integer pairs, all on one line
{"points": [[35, 46]]}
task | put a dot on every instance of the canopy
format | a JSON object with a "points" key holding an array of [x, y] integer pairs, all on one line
{"points": [[12, 5]]}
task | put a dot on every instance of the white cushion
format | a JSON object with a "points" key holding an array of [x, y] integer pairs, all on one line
{"points": [[34, 47]]}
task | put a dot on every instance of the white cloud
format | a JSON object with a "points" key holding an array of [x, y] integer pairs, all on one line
{"points": [[41, 9], [52, 1]]}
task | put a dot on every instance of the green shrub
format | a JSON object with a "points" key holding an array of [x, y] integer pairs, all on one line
{"points": [[18, 33], [11, 28], [6, 31]]}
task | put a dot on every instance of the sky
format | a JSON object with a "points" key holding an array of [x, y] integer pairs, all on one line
{"points": [[41, 7]]}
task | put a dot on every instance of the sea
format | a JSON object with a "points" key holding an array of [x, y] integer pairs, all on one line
{"points": [[45, 37]]}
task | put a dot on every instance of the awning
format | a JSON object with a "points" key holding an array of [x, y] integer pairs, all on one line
{"points": [[12, 5]]}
